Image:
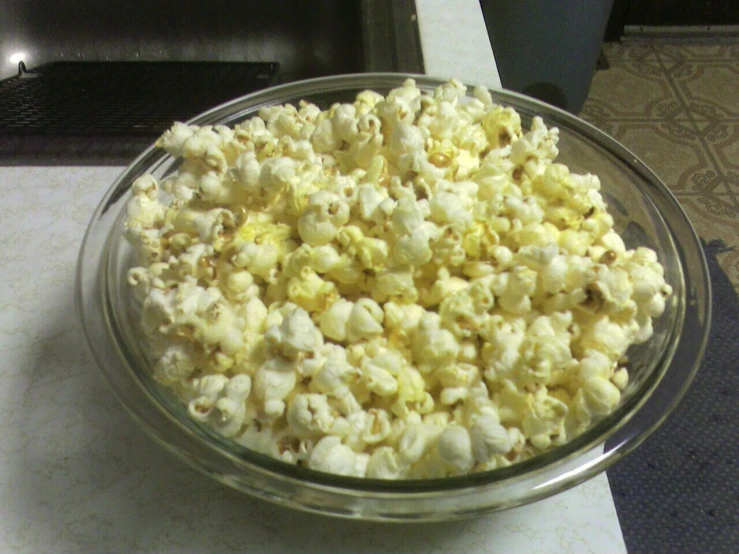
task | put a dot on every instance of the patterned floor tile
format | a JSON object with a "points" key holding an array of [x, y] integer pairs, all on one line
{"points": [[697, 48], [717, 205], [723, 143], [728, 148], [715, 85], [621, 51], [706, 51], [714, 131], [711, 226], [675, 104], [730, 264], [677, 160], [709, 182], [635, 90]]}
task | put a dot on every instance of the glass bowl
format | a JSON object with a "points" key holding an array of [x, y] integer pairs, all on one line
{"points": [[645, 212]]}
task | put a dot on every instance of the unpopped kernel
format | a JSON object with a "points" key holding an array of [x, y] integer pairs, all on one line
{"points": [[405, 286]]}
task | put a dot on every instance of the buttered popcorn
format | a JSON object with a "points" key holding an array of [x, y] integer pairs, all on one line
{"points": [[402, 287]]}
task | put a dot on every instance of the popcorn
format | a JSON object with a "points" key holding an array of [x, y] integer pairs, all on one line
{"points": [[407, 217], [444, 285], [324, 139], [325, 215], [345, 122], [222, 403], [310, 415], [258, 259], [413, 249], [455, 448], [297, 334], [412, 443], [365, 320], [376, 426], [488, 438], [333, 322], [448, 248], [380, 371], [501, 125], [544, 420], [369, 199], [332, 379], [204, 145], [177, 362], [605, 336], [448, 207], [405, 138], [144, 211], [459, 313], [370, 252], [431, 345], [275, 379], [331, 456], [402, 318], [214, 226], [601, 395], [383, 464], [324, 258], [240, 286], [396, 282], [309, 291], [173, 139], [247, 171], [399, 287]]}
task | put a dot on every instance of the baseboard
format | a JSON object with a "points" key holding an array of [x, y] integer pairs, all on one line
{"points": [[679, 31]]}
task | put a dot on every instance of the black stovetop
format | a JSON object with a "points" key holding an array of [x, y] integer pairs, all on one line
{"points": [[107, 112]]}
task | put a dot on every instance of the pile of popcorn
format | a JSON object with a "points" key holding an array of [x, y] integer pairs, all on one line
{"points": [[402, 287]]}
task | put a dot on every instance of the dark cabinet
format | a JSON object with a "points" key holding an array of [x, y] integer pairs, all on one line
{"points": [[677, 12], [673, 13]]}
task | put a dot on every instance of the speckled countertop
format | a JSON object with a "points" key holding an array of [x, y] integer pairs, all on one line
{"points": [[77, 475]]}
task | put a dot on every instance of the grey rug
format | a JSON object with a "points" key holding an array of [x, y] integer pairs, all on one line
{"points": [[679, 491]]}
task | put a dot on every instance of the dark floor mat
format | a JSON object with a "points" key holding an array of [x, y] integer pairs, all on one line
{"points": [[679, 491]]}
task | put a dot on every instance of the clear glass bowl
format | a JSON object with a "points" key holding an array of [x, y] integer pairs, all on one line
{"points": [[646, 213]]}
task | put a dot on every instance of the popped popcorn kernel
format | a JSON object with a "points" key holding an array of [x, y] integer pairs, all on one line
{"points": [[403, 286]]}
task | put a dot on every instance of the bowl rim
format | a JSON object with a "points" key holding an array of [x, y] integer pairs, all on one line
{"points": [[542, 464]]}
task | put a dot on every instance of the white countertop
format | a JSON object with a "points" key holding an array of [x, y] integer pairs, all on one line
{"points": [[77, 475], [455, 43]]}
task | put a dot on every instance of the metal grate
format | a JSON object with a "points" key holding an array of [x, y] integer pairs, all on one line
{"points": [[63, 105]]}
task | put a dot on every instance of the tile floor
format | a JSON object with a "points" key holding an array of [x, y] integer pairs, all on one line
{"points": [[675, 104]]}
